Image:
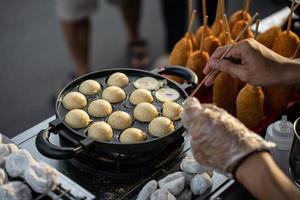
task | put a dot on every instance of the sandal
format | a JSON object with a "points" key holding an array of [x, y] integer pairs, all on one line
{"points": [[138, 54]]}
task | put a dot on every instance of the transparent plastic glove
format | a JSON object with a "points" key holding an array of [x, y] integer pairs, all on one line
{"points": [[219, 140]]}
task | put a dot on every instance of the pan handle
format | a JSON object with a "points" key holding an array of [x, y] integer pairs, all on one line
{"points": [[187, 74], [50, 150]]}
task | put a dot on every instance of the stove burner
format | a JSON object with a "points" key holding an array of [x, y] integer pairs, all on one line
{"points": [[122, 166]]}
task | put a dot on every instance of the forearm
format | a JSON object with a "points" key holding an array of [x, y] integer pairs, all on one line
{"points": [[291, 73], [262, 177]]}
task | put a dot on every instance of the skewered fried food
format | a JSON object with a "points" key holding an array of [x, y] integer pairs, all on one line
{"points": [[286, 43], [218, 25], [237, 16], [181, 51], [268, 37], [250, 105], [225, 91], [194, 41], [237, 29], [199, 32], [211, 43], [197, 62]]}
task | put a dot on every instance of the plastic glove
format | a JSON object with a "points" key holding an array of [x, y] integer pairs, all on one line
{"points": [[219, 140]]}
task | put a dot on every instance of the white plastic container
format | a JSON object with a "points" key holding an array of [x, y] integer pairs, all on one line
{"points": [[281, 132]]}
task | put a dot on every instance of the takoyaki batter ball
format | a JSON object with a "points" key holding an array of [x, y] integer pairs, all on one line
{"points": [[172, 110], [132, 135], [118, 79], [77, 119], [100, 131], [119, 120], [73, 100], [113, 94], [140, 96], [145, 112], [99, 108], [89, 87], [161, 126]]}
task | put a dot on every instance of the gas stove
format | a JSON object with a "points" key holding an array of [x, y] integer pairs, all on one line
{"points": [[110, 180]]}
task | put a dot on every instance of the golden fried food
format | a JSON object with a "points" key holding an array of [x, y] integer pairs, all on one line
{"points": [[181, 51], [200, 30], [238, 27], [268, 37], [250, 105], [194, 41], [237, 16], [211, 43], [286, 43], [218, 27], [197, 61], [225, 91]]}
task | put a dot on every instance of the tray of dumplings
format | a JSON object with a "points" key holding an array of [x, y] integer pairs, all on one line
{"points": [[22, 177], [122, 106]]}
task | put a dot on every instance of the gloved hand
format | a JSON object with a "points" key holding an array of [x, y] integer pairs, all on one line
{"points": [[219, 140]]}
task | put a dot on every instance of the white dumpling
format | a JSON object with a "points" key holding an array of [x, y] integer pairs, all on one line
{"points": [[89, 87], [113, 94], [119, 120], [147, 190], [167, 94], [17, 163], [3, 177], [200, 183], [41, 177], [5, 151], [172, 110], [148, 83], [100, 131], [174, 183], [145, 112], [73, 100], [132, 135], [162, 194], [15, 190], [77, 119], [161, 126], [118, 79], [140, 96], [99, 108]]}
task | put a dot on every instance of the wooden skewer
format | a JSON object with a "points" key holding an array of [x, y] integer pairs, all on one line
{"points": [[215, 72], [190, 9], [256, 28], [204, 10], [203, 34], [290, 16], [246, 9], [296, 51], [191, 23], [228, 39], [227, 25]]}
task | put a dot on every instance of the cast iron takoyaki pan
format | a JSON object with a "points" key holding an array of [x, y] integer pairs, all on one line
{"points": [[78, 138]]}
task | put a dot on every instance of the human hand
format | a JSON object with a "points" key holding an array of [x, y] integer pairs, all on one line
{"points": [[259, 65], [219, 140]]}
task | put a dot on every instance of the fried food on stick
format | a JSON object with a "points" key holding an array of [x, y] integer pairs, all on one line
{"points": [[218, 25], [250, 105], [211, 43], [237, 29], [268, 37], [225, 91], [286, 43], [240, 14]]}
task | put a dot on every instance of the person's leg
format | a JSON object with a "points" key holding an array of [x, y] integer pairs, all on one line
{"points": [[74, 17], [77, 37], [131, 10], [175, 17]]}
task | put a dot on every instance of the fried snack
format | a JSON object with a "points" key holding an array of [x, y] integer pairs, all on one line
{"points": [[197, 61], [237, 29], [199, 32], [250, 105], [268, 37], [286, 43], [225, 91], [237, 16], [194, 41], [217, 27], [218, 24], [278, 96], [211, 43]]}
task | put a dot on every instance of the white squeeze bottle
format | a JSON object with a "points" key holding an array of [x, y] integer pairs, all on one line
{"points": [[281, 132]]}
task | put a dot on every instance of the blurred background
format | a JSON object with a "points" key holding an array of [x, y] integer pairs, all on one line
{"points": [[35, 61]]}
